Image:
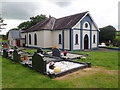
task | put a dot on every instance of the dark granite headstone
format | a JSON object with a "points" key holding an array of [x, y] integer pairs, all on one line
{"points": [[39, 50], [38, 63], [15, 47], [5, 53], [16, 56], [56, 52]]}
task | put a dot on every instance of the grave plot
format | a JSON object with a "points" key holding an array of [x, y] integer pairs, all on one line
{"points": [[53, 64], [7, 53], [63, 55], [55, 67], [22, 57]]}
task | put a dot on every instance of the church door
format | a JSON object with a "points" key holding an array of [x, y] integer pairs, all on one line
{"points": [[86, 42], [18, 43]]}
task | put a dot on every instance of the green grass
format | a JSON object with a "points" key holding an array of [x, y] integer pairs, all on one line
{"points": [[111, 46], [0, 72], [30, 50], [34, 50], [3, 40], [97, 80], [107, 59], [18, 76]]}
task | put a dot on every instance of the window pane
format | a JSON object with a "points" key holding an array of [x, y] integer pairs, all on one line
{"points": [[35, 39], [76, 39], [29, 39], [60, 39], [94, 39]]}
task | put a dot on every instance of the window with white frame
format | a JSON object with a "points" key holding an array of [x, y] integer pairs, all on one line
{"points": [[35, 39], [60, 39], [76, 39], [30, 39], [93, 38]]}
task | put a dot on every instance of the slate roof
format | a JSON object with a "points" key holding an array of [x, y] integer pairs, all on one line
{"points": [[15, 34], [56, 24]]}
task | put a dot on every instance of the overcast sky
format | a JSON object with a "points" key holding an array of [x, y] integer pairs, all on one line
{"points": [[14, 12]]}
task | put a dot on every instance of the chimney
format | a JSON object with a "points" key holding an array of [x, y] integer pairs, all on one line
{"points": [[49, 16]]}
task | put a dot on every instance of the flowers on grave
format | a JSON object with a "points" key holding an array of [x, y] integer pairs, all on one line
{"points": [[22, 58], [57, 70], [65, 53], [83, 58], [6, 47], [53, 47], [10, 52], [51, 65], [25, 57]]}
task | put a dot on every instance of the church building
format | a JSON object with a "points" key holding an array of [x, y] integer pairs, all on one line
{"points": [[74, 32]]}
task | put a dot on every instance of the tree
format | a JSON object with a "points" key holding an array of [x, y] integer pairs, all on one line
{"points": [[2, 24], [24, 25], [107, 33], [33, 21], [36, 19]]}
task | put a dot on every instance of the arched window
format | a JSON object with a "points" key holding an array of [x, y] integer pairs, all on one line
{"points": [[60, 39], [94, 39], [76, 39], [25, 39], [35, 39], [86, 25], [29, 39]]}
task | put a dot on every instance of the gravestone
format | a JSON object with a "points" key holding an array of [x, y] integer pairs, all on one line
{"points": [[38, 63], [56, 52], [5, 53], [16, 56], [39, 50], [15, 47]]}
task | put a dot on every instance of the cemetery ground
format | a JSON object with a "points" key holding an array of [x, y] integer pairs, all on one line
{"points": [[102, 74]]}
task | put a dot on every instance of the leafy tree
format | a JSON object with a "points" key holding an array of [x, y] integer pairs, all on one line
{"points": [[36, 19], [33, 21], [2, 24], [24, 25], [107, 33]]}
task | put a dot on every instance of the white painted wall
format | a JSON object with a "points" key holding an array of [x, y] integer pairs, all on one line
{"points": [[76, 46], [67, 39], [40, 38], [55, 38], [93, 27], [23, 36], [12, 42], [47, 38], [22, 41], [94, 45]]}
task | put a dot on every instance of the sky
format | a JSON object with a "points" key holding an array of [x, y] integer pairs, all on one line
{"points": [[14, 12]]}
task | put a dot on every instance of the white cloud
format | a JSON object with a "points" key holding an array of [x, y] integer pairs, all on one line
{"points": [[10, 24], [104, 12]]}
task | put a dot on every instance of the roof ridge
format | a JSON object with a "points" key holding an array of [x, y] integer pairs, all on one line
{"points": [[53, 23], [72, 15]]}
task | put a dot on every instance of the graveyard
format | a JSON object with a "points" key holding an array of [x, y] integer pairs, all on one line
{"points": [[53, 63], [101, 74]]}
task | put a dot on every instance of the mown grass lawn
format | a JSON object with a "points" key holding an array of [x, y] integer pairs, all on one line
{"points": [[107, 59], [103, 74], [34, 50], [3, 40]]}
